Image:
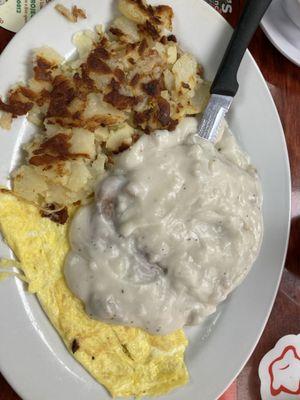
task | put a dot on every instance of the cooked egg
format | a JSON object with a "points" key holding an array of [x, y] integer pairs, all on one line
{"points": [[127, 361]]}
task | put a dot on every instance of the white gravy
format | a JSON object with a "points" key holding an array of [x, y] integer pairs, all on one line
{"points": [[174, 228]]}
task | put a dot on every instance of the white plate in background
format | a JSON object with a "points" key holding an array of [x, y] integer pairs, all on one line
{"points": [[282, 31], [32, 356]]}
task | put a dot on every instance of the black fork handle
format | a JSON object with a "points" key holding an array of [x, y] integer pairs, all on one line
{"points": [[225, 82]]}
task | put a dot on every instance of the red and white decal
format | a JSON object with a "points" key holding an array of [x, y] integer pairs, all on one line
{"points": [[279, 370]]}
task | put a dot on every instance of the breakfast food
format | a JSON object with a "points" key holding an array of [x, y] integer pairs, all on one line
{"points": [[134, 78], [174, 228], [130, 80], [71, 15], [127, 361], [125, 224]]}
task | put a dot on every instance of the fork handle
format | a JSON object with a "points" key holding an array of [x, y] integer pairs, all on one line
{"points": [[225, 82]]}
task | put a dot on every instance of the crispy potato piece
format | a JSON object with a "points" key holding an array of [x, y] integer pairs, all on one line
{"points": [[6, 121], [71, 15], [135, 11], [140, 12]]}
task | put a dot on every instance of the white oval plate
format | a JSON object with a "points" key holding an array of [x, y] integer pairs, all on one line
{"points": [[32, 356]]}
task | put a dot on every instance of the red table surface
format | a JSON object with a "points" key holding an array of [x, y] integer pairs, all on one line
{"points": [[283, 79]]}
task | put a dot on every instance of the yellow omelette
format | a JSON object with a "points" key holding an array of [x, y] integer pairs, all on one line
{"points": [[127, 361]]}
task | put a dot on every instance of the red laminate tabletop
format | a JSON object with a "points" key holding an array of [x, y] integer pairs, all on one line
{"points": [[283, 79]]}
